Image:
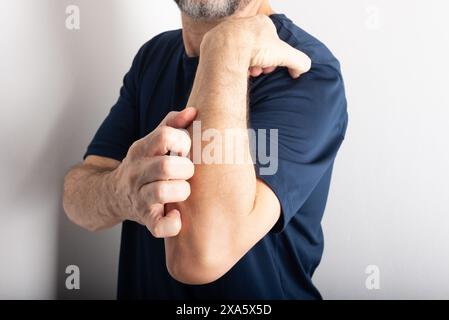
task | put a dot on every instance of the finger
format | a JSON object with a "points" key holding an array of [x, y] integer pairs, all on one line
{"points": [[164, 192], [167, 139], [180, 120], [268, 70], [170, 224], [296, 61], [164, 168], [163, 226], [255, 71]]}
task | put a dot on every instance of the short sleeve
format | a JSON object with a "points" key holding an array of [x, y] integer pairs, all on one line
{"points": [[310, 117], [120, 128]]}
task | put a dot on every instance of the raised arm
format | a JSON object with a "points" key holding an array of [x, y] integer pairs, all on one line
{"points": [[229, 210]]}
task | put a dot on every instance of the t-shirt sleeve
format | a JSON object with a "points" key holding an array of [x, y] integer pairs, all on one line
{"points": [[311, 119], [120, 128]]}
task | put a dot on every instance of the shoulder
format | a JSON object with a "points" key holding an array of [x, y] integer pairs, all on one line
{"points": [[317, 97], [325, 69], [302, 40], [164, 40], [157, 49], [323, 78]]}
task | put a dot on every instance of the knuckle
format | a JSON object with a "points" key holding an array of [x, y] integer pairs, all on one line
{"points": [[134, 145], [163, 135], [135, 148], [164, 132], [165, 167], [156, 230], [159, 192]]}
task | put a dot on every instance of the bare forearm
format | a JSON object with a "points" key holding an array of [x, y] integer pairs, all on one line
{"points": [[222, 194], [89, 198], [229, 210], [220, 89], [220, 94]]}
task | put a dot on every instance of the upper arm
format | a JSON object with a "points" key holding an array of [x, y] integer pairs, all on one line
{"points": [[310, 117], [265, 213], [121, 126]]}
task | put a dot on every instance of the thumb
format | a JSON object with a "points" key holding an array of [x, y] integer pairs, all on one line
{"points": [[180, 120], [163, 226], [296, 61], [170, 224]]}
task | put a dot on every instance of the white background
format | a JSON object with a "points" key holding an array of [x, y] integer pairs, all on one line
{"points": [[389, 200]]}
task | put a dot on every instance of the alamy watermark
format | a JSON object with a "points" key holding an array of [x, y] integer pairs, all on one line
{"points": [[72, 282], [234, 146], [373, 19], [73, 19], [372, 281]]}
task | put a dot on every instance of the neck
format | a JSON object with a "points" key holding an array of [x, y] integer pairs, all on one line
{"points": [[193, 30]]}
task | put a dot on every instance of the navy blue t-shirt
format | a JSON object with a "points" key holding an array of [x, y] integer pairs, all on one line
{"points": [[310, 114]]}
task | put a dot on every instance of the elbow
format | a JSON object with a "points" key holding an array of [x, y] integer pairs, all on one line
{"points": [[196, 270], [82, 224], [207, 249], [74, 218], [67, 202]]}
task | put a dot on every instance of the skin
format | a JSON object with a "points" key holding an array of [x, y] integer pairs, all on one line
{"points": [[209, 215]]}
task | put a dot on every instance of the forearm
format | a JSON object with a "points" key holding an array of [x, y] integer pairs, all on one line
{"points": [[220, 94], [89, 198], [222, 194]]}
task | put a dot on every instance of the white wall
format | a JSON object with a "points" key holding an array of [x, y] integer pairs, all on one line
{"points": [[388, 204]]}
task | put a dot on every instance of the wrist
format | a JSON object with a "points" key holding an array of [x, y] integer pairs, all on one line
{"points": [[226, 50], [117, 201]]}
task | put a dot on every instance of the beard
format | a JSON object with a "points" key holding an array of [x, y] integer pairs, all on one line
{"points": [[210, 9]]}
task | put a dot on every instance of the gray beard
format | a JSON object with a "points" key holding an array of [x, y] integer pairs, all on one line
{"points": [[210, 9]]}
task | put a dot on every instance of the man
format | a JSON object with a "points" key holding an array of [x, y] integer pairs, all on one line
{"points": [[222, 230]]}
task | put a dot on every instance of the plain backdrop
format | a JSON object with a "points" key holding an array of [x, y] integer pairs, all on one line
{"points": [[389, 200]]}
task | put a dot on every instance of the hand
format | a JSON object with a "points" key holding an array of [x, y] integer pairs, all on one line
{"points": [[259, 48], [148, 178]]}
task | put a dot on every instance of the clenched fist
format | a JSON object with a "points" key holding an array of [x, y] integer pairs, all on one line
{"points": [[254, 43], [148, 178]]}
